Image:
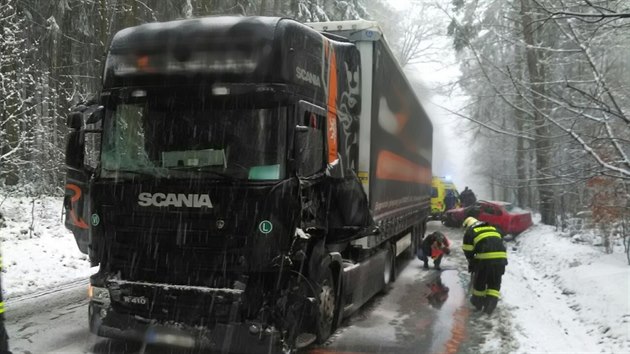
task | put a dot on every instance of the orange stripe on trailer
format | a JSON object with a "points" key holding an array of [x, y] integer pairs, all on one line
{"points": [[77, 221], [390, 166], [332, 105]]}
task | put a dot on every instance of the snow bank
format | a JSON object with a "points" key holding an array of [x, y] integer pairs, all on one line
{"points": [[38, 252], [580, 300]]}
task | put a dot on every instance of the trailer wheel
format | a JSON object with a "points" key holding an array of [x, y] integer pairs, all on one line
{"points": [[326, 306], [417, 233], [388, 269]]}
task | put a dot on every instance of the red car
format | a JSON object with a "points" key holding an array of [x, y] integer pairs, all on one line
{"points": [[505, 216]]}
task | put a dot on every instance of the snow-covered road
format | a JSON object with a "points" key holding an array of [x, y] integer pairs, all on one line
{"points": [[402, 320], [559, 295], [399, 321], [50, 321], [556, 297]]}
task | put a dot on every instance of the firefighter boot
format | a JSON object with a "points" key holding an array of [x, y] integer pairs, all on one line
{"points": [[491, 304], [478, 302]]}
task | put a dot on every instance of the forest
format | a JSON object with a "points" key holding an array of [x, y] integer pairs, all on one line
{"points": [[546, 83]]}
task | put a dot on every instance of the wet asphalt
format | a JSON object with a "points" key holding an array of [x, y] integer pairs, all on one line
{"points": [[424, 311]]}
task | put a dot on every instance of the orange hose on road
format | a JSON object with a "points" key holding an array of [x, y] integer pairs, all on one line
{"points": [[328, 351], [458, 332]]}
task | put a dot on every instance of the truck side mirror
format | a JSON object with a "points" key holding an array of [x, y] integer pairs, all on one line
{"points": [[75, 120], [96, 115], [75, 145], [75, 149]]}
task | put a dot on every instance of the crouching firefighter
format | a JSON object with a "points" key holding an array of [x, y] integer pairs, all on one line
{"points": [[487, 258], [435, 245]]}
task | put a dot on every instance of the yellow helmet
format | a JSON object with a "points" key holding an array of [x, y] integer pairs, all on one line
{"points": [[469, 221]]}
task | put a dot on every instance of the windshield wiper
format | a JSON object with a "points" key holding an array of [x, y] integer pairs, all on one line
{"points": [[204, 169], [134, 172]]}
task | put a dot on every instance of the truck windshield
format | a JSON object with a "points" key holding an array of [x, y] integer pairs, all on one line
{"points": [[179, 135]]}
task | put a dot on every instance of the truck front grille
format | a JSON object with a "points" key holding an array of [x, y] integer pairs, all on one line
{"points": [[172, 249]]}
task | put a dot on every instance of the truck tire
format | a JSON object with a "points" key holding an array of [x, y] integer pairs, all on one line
{"points": [[326, 301]]}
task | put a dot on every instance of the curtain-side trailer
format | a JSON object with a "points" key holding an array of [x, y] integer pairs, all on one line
{"points": [[394, 141]]}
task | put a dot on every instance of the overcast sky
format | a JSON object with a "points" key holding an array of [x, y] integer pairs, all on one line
{"points": [[450, 145]]}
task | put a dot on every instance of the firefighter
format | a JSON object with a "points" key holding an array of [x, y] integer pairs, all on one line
{"points": [[435, 245], [450, 200], [487, 258], [4, 338], [467, 196]]}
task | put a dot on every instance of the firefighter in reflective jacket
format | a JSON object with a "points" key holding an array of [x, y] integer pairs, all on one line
{"points": [[487, 258], [4, 339]]}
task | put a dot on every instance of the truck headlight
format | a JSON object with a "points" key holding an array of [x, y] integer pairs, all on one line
{"points": [[98, 294]]}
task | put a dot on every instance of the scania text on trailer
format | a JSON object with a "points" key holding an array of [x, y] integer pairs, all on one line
{"points": [[256, 180]]}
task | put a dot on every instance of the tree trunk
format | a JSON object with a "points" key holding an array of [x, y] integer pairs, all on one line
{"points": [[542, 143], [277, 7], [522, 161], [264, 8]]}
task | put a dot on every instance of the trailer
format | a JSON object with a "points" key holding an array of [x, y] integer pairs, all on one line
{"points": [[257, 181]]}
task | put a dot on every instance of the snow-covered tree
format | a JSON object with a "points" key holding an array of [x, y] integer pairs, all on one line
{"points": [[559, 82], [52, 55], [16, 105]]}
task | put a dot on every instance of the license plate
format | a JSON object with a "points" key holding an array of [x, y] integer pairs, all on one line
{"points": [[158, 335]]}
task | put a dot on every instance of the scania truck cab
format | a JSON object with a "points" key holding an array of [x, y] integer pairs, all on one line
{"points": [[225, 210]]}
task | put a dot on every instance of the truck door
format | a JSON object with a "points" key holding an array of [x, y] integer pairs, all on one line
{"points": [[79, 169]]}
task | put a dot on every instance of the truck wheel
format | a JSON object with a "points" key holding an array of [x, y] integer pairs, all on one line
{"points": [[326, 305]]}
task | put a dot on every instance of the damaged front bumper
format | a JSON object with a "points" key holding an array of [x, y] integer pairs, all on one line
{"points": [[229, 337]]}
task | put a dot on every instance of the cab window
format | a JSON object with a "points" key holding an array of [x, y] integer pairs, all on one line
{"points": [[310, 138]]}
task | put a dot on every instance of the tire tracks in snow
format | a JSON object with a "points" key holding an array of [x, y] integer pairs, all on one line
{"points": [[65, 295]]}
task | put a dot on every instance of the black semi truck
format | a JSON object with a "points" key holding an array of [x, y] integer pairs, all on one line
{"points": [[256, 180]]}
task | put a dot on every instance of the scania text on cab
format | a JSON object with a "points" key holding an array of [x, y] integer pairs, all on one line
{"points": [[245, 183], [177, 200]]}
